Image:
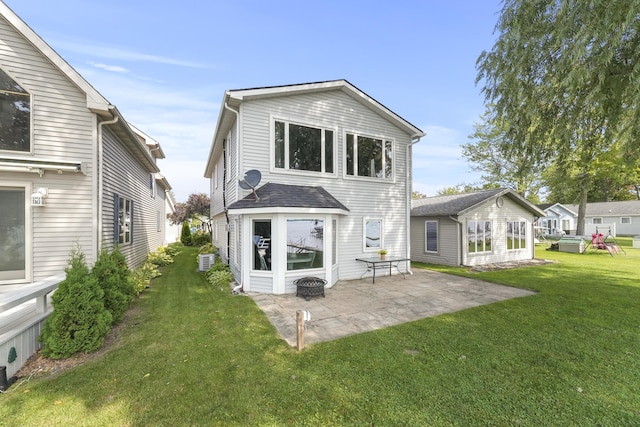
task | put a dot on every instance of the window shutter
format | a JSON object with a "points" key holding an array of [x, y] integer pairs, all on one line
{"points": [[131, 224], [116, 228]]}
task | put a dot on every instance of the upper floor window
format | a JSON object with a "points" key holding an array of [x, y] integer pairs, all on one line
{"points": [[299, 147], [15, 115], [369, 157]]}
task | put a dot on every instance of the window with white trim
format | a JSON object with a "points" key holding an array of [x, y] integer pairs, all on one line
{"points": [[305, 243], [597, 220], [431, 236], [369, 157], [261, 229], [372, 235], [125, 220], [516, 235], [479, 236], [304, 148], [625, 220], [15, 115]]}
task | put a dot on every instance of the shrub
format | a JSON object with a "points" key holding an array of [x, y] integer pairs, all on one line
{"points": [[159, 258], [112, 274], [142, 276], [200, 238], [220, 278], [79, 321], [207, 249], [217, 266], [171, 250], [185, 234]]}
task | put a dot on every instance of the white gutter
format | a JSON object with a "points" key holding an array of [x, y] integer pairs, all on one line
{"points": [[409, 164], [99, 202]]}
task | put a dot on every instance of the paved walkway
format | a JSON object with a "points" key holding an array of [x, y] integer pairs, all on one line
{"points": [[355, 306]]}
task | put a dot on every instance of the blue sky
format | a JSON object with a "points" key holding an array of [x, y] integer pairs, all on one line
{"points": [[166, 65]]}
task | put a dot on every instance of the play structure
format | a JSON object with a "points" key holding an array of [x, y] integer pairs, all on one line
{"points": [[602, 242]]}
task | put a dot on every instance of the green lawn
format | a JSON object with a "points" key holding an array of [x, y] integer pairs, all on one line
{"points": [[197, 355]]}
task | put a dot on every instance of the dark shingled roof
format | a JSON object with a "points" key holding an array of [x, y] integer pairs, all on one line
{"points": [[272, 195], [452, 204], [458, 204]]}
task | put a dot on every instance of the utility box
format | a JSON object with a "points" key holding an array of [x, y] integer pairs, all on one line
{"points": [[636, 242], [205, 261], [571, 244]]}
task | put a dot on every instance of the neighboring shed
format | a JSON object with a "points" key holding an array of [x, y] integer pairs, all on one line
{"points": [[478, 228]]}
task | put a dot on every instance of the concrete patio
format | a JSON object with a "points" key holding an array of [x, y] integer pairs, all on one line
{"points": [[355, 306]]}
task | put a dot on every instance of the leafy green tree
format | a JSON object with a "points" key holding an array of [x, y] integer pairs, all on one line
{"points": [[79, 321], [487, 154], [197, 207], [562, 80], [464, 188]]}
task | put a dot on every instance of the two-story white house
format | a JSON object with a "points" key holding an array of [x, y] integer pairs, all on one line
{"points": [[331, 168], [73, 174]]}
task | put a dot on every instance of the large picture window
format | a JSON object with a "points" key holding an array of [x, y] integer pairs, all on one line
{"points": [[369, 157], [516, 235], [305, 243], [15, 115], [431, 236], [12, 234], [305, 148], [479, 236]]}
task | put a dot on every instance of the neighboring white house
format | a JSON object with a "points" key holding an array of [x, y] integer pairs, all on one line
{"points": [[478, 228], [73, 174], [621, 218], [558, 220], [335, 169]]}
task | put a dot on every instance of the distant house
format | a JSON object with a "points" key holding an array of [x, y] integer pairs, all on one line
{"points": [[478, 228], [331, 168], [73, 174], [621, 218], [558, 220]]}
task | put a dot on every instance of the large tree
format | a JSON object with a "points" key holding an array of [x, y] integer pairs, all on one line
{"points": [[486, 154], [563, 79], [197, 207]]}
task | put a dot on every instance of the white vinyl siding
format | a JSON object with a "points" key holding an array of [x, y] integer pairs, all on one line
{"points": [[373, 199], [130, 180], [62, 130], [448, 242]]}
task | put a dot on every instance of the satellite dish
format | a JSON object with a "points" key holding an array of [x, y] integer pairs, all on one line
{"points": [[250, 181]]}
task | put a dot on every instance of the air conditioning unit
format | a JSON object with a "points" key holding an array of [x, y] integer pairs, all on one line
{"points": [[205, 261]]}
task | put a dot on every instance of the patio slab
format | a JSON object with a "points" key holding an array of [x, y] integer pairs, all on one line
{"points": [[356, 306]]}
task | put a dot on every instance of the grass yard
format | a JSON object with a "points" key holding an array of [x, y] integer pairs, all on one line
{"points": [[192, 354]]}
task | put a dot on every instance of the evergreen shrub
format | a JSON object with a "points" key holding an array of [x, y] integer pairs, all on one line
{"points": [[113, 276], [80, 321], [185, 234]]}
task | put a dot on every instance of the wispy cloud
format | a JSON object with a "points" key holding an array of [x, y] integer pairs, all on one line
{"points": [[113, 68], [95, 49]]}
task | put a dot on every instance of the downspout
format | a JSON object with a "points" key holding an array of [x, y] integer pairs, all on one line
{"points": [[100, 178], [458, 239], [409, 163], [224, 183]]}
